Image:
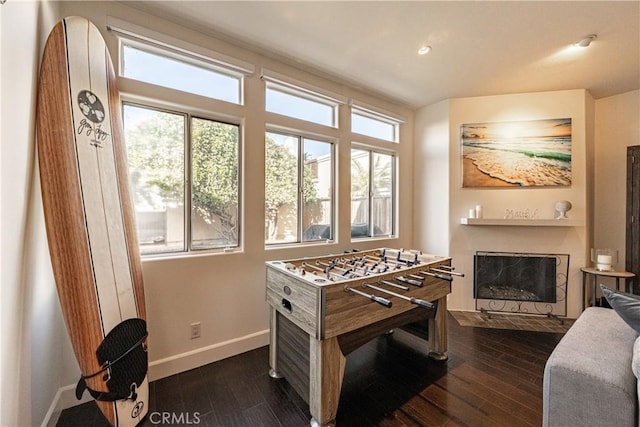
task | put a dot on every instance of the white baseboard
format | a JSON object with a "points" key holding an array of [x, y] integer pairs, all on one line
{"points": [[66, 396], [192, 359]]}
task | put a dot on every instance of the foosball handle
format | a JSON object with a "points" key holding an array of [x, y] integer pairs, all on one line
{"points": [[381, 301], [422, 303]]}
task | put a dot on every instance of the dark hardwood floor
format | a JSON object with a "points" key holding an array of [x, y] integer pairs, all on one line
{"points": [[492, 378]]}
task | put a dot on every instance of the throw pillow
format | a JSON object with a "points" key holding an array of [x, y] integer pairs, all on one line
{"points": [[626, 305]]}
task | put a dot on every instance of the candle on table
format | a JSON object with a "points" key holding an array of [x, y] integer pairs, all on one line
{"points": [[604, 262]]}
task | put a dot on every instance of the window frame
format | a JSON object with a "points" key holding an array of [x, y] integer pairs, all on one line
{"points": [[307, 95], [301, 136], [183, 57], [368, 113], [188, 114], [394, 192], [162, 98]]}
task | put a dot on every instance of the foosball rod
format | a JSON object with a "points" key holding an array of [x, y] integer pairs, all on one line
{"points": [[454, 273], [363, 262], [353, 269], [382, 301], [399, 259], [324, 271], [351, 260], [395, 285], [412, 300], [437, 275], [345, 271], [387, 261], [371, 268], [377, 263], [369, 265]]}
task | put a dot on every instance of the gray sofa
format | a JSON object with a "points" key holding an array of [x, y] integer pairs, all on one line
{"points": [[589, 379]]}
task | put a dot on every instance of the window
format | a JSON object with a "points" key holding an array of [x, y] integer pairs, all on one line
{"points": [[156, 145], [180, 72], [372, 193], [183, 123], [375, 125], [300, 104], [298, 189]]}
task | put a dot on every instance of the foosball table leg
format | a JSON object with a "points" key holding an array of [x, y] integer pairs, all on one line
{"points": [[273, 344], [438, 332], [327, 365]]}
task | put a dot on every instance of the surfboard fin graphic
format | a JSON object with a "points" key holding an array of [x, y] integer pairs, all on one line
{"points": [[124, 360]]}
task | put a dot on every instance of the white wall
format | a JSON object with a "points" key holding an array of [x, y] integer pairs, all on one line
{"points": [[464, 241], [33, 339], [617, 127], [431, 178]]}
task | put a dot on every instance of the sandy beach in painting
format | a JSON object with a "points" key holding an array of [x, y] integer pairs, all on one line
{"points": [[474, 177], [534, 153]]}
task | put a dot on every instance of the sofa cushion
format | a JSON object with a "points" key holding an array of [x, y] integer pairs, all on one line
{"points": [[626, 305], [635, 362], [588, 380], [635, 366]]}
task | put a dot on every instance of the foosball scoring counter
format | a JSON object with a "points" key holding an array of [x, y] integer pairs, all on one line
{"points": [[323, 308]]}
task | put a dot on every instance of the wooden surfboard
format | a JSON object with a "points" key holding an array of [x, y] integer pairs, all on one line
{"points": [[90, 219]]}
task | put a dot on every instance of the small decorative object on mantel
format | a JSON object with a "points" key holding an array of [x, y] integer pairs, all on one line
{"points": [[521, 213], [563, 206], [604, 259]]}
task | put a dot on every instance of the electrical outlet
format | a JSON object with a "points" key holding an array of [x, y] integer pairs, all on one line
{"points": [[196, 330]]}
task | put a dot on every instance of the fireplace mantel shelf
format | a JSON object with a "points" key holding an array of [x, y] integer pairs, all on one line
{"points": [[523, 222]]}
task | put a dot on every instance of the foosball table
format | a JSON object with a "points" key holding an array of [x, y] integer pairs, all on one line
{"points": [[323, 308]]}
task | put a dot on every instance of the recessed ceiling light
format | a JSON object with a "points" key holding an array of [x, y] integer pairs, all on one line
{"points": [[586, 40], [424, 50]]}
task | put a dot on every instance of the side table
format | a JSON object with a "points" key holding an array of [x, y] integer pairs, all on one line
{"points": [[594, 273]]}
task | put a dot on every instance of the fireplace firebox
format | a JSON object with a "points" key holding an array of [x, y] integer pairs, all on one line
{"points": [[530, 283]]}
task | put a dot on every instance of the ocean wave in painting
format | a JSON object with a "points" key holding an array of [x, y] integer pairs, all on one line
{"points": [[526, 160]]}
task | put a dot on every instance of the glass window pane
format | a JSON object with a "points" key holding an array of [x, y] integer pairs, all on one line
{"points": [[214, 184], [175, 74], [382, 200], [366, 125], [299, 107], [318, 190], [359, 193], [155, 151], [281, 188]]}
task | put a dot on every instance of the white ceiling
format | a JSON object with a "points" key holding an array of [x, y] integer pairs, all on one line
{"points": [[479, 47]]}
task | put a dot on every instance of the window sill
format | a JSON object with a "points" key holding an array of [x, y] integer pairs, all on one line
{"points": [[191, 254]]}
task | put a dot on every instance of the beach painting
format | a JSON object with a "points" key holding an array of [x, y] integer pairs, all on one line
{"points": [[517, 154]]}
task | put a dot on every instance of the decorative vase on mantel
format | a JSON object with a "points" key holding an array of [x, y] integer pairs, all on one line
{"points": [[562, 207]]}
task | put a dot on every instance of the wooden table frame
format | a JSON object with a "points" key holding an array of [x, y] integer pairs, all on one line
{"points": [[316, 322], [327, 357]]}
